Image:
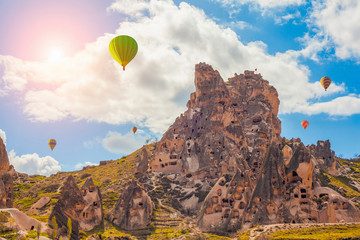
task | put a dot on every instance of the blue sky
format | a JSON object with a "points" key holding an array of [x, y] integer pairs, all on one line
{"points": [[58, 80]]}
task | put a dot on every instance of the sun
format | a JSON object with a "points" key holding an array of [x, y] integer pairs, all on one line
{"points": [[55, 54]]}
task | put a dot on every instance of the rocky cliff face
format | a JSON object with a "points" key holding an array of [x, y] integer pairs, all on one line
{"points": [[133, 209], [229, 139], [6, 179], [83, 207]]}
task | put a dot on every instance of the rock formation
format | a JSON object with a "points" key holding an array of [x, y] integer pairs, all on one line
{"points": [[224, 122], [6, 179], [143, 162], [38, 205], [230, 137], [82, 207], [93, 213], [69, 206], [133, 209]]}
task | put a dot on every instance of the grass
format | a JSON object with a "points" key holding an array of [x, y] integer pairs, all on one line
{"points": [[42, 218], [244, 235], [106, 229], [340, 182], [325, 232]]}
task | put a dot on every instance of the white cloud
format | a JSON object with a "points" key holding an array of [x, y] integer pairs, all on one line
{"points": [[341, 106], [340, 20], [14, 78], [33, 164], [334, 24], [263, 4], [81, 165], [313, 45], [117, 143], [239, 25], [154, 88], [287, 17], [135, 8], [3, 136]]}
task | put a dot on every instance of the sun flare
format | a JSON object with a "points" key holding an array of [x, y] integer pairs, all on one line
{"points": [[55, 54]]}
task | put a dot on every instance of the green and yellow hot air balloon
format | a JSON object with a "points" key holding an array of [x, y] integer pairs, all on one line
{"points": [[123, 49], [325, 82], [52, 143]]}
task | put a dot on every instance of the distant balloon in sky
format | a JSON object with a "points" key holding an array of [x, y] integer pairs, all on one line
{"points": [[123, 49], [52, 143], [134, 129], [304, 124], [325, 82]]}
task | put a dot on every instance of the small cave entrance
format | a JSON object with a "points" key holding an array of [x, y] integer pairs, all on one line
{"points": [[227, 213]]}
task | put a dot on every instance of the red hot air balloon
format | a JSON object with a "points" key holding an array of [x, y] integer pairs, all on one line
{"points": [[304, 124]]}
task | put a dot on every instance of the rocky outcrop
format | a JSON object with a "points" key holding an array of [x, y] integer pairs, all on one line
{"points": [[143, 162], [229, 138], [93, 212], [4, 160], [42, 202], [228, 126], [133, 209], [83, 208], [6, 179], [324, 157], [69, 206], [225, 122]]}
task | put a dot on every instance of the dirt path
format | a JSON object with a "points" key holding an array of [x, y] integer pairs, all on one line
{"points": [[264, 230], [24, 221]]}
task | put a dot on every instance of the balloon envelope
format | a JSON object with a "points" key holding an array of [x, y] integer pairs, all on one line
{"points": [[134, 129], [52, 143], [123, 49], [304, 124], [325, 82]]}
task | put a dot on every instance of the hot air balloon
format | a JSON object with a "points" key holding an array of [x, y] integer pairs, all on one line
{"points": [[123, 49], [52, 143], [134, 129], [304, 124], [325, 82]]}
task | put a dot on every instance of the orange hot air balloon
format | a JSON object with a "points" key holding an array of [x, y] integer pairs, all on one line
{"points": [[325, 82], [52, 143], [304, 124], [134, 129]]}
